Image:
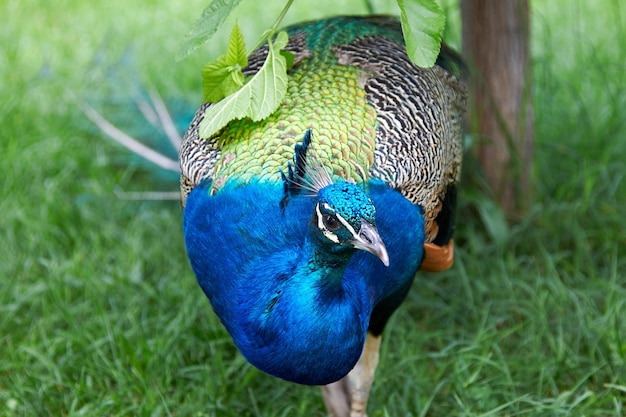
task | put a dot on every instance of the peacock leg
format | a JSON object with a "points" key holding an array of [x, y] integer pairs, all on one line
{"points": [[348, 396]]}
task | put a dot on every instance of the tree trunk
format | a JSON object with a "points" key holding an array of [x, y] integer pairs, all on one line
{"points": [[496, 46]]}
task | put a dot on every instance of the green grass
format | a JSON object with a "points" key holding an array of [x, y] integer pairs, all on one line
{"points": [[100, 313]]}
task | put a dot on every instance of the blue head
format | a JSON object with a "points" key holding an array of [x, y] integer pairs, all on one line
{"points": [[344, 216], [344, 220]]}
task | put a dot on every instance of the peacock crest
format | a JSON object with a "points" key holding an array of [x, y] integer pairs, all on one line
{"points": [[305, 173]]}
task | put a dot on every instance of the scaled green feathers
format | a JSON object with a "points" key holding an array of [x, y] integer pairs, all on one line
{"points": [[332, 104]]}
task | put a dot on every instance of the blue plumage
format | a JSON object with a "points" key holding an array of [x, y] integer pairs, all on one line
{"points": [[291, 313]]}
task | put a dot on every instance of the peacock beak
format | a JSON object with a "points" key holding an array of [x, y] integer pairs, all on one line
{"points": [[369, 240]]}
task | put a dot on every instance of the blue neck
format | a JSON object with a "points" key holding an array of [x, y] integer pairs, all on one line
{"points": [[314, 308], [320, 256]]}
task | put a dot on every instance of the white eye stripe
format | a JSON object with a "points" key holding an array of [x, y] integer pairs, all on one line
{"points": [[342, 220], [320, 225], [330, 235]]}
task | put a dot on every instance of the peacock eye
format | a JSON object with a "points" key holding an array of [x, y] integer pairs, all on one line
{"points": [[330, 222]]}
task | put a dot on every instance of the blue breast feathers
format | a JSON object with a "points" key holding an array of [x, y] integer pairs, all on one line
{"points": [[289, 314]]}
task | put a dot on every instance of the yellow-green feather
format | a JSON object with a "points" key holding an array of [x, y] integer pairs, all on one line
{"points": [[331, 103]]}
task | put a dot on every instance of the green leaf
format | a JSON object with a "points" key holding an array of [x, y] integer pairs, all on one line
{"points": [[259, 98], [236, 53], [422, 24], [212, 18], [223, 77]]}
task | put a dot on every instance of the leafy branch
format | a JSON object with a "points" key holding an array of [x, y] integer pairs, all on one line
{"points": [[258, 98]]}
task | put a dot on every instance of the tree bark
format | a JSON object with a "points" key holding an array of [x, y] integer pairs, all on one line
{"points": [[496, 35]]}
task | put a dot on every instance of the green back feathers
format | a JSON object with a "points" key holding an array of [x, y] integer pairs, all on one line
{"points": [[323, 95], [331, 103]]}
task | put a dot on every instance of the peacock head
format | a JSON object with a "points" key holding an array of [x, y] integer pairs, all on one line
{"points": [[344, 216], [344, 220]]}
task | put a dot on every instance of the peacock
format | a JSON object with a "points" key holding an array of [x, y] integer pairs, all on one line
{"points": [[305, 230]]}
